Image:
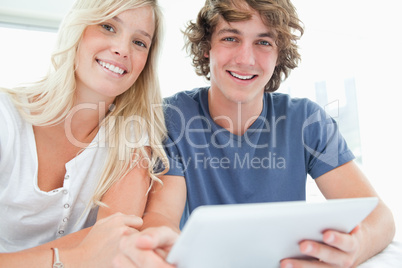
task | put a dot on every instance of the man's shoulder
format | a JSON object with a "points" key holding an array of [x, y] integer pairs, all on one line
{"points": [[185, 103], [288, 104], [184, 98], [183, 107], [286, 99]]}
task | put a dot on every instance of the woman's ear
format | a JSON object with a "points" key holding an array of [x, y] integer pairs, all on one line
{"points": [[206, 55]]}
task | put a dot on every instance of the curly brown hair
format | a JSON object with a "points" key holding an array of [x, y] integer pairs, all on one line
{"points": [[280, 15]]}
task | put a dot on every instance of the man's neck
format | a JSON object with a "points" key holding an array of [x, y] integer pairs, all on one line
{"points": [[236, 117]]}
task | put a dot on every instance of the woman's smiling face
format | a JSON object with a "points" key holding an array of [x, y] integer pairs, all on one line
{"points": [[112, 54]]}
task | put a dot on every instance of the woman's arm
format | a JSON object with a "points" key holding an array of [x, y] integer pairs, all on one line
{"points": [[127, 196], [112, 242], [166, 203], [119, 226]]}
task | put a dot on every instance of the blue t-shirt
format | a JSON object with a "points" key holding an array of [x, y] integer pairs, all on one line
{"points": [[270, 162]]}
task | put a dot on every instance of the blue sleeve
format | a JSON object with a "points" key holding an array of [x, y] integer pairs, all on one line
{"points": [[325, 148], [176, 166], [175, 123]]}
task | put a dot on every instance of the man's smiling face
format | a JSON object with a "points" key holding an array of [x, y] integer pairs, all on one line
{"points": [[242, 58]]}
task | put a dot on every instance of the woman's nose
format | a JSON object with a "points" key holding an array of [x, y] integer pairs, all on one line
{"points": [[121, 47]]}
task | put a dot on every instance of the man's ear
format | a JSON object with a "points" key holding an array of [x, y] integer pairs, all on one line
{"points": [[206, 55]]}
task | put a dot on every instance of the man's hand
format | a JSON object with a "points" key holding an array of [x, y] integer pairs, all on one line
{"points": [[338, 250]]}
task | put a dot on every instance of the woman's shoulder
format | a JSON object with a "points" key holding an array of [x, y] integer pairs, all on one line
{"points": [[6, 104], [10, 120], [4, 96], [8, 108]]}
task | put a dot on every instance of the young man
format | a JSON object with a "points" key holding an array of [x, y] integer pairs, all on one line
{"points": [[238, 142]]}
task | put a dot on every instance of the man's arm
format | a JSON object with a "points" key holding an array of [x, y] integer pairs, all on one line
{"points": [[378, 229], [368, 239]]}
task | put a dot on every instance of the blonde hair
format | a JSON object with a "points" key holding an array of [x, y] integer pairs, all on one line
{"points": [[51, 99]]}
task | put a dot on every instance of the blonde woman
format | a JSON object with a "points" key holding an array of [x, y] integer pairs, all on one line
{"points": [[83, 143]]}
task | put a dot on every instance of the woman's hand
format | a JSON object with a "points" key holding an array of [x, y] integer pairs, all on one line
{"points": [[158, 239], [115, 242]]}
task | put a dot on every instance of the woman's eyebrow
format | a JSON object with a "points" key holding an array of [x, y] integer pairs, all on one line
{"points": [[139, 31], [145, 34]]}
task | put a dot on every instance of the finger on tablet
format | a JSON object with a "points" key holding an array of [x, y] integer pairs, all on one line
{"points": [[158, 237]]}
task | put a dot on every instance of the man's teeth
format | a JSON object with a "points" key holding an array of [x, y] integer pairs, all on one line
{"points": [[248, 77], [111, 67]]}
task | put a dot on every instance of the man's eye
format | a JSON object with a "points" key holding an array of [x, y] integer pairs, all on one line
{"points": [[230, 39], [108, 28], [264, 43]]}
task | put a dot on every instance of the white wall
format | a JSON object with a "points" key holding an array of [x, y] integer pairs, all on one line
{"points": [[46, 13], [176, 72]]}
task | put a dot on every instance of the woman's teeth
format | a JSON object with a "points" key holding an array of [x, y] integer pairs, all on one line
{"points": [[111, 67], [242, 77]]}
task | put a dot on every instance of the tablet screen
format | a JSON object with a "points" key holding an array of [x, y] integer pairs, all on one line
{"points": [[262, 234]]}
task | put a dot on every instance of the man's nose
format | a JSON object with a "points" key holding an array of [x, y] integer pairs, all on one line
{"points": [[245, 54]]}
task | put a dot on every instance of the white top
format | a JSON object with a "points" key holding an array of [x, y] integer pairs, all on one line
{"points": [[29, 216]]}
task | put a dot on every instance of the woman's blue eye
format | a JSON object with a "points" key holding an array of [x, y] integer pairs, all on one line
{"points": [[107, 27], [139, 43]]}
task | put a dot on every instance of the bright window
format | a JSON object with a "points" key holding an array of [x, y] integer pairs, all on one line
{"points": [[24, 53]]}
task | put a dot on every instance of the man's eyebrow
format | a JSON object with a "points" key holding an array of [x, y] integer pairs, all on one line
{"points": [[228, 30], [235, 31], [267, 34], [139, 31]]}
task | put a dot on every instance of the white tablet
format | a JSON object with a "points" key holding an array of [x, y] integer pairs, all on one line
{"points": [[262, 234]]}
